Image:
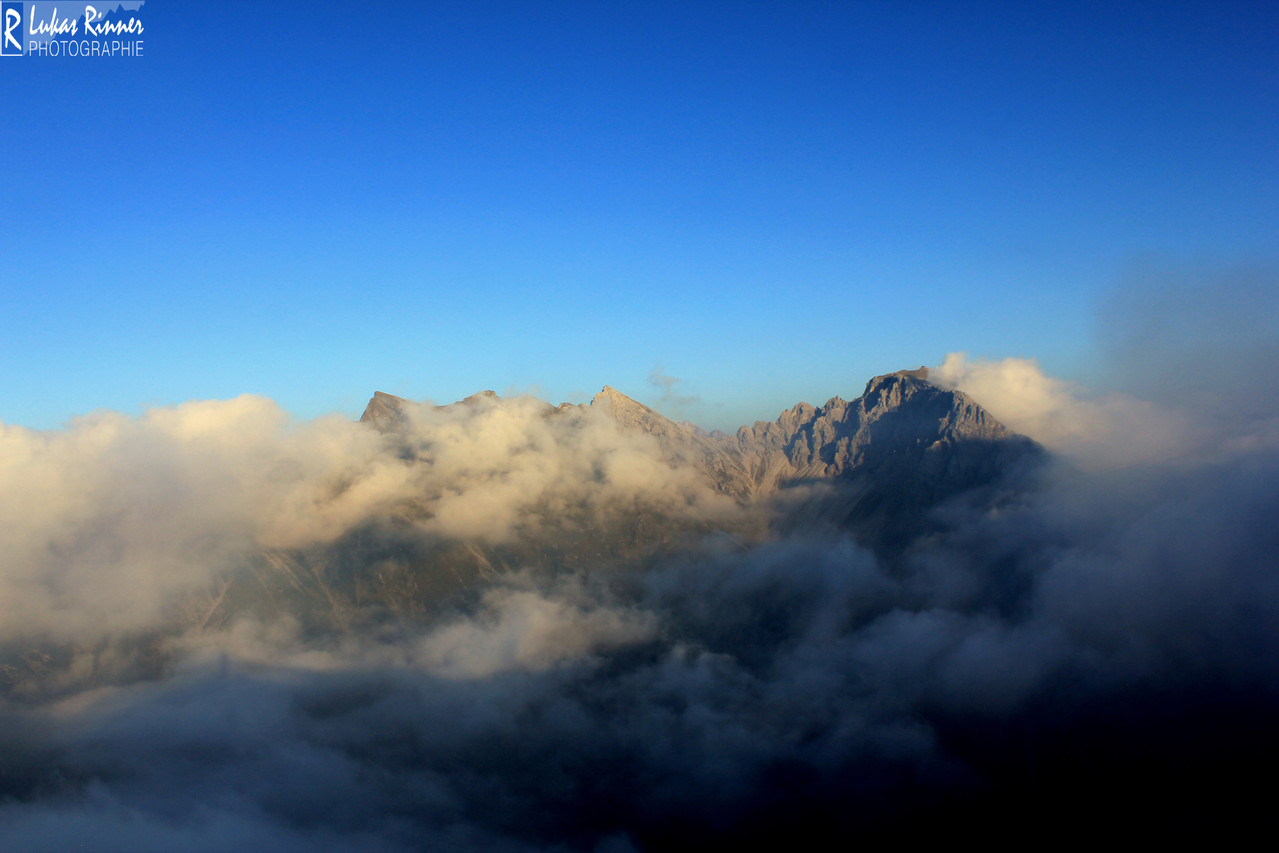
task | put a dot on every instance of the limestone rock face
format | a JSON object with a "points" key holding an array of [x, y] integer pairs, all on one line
{"points": [[384, 410], [901, 420], [898, 412], [632, 414], [682, 444], [388, 412]]}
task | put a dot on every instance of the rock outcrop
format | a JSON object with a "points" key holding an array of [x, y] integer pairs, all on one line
{"points": [[384, 410]]}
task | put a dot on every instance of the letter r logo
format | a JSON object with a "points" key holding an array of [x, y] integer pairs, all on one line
{"points": [[11, 29]]}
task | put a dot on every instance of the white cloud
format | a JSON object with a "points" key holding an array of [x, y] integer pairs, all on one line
{"points": [[109, 523], [1106, 431]]}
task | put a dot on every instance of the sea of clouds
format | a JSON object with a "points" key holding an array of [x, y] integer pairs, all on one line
{"points": [[1101, 650]]}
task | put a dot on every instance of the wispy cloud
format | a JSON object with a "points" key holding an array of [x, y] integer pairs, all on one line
{"points": [[671, 401]]}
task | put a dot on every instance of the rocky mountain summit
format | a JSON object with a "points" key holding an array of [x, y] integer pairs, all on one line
{"points": [[876, 464], [898, 412], [384, 410]]}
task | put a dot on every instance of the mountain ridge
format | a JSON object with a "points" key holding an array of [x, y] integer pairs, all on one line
{"points": [[904, 445]]}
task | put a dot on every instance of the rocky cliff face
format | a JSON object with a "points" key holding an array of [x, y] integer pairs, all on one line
{"points": [[384, 410], [893, 453], [890, 455], [899, 413]]}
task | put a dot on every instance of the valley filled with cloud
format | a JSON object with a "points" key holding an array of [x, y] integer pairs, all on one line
{"points": [[502, 625]]}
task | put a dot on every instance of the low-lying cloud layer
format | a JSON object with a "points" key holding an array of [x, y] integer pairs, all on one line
{"points": [[1104, 649], [112, 521]]}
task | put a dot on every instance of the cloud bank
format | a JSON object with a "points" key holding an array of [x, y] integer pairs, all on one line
{"points": [[1101, 652], [1100, 431], [109, 523], [1192, 355]]}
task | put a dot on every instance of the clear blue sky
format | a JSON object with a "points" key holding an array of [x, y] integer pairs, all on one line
{"points": [[773, 201]]}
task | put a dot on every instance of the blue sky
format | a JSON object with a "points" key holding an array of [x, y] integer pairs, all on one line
{"points": [[770, 201]]}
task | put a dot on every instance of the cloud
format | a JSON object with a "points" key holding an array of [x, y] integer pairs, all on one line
{"points": [[1191, 355], [1099, 431], [671, 400], [644, 709], [1101, 651], [524, 630], [113, 522]]}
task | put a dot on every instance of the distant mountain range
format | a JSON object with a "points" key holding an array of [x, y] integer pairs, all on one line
{"points": [[878, 464]]}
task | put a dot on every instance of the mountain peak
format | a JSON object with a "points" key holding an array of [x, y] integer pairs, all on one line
{"points": [[609, 397], [609, 392], [635, 415], [478, 396], [384, 410], [918, 375]]}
